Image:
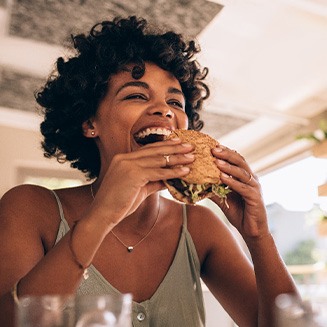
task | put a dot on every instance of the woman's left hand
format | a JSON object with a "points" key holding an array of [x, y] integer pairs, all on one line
{"points": [[245, 208]]}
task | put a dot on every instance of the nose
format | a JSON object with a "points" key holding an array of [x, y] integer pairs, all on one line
{"points": [[161, 110]]}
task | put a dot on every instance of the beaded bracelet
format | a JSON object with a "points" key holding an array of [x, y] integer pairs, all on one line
{"points": [[85, 271]]}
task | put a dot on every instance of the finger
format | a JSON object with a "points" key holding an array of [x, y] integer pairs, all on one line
{"points": [[154, 187], [232, 156], [158, 174], [250, 178], [170, 160], [175, 140], [163, 149], [249, 192], [243, 175]]}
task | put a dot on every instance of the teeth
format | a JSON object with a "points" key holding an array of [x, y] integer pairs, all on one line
{"points": [[153, 130]]}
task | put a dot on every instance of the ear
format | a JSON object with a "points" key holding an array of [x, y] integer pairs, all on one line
{"points": [[89, 129]]}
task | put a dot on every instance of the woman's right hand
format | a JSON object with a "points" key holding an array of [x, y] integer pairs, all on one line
{"points": [[132, 177]]}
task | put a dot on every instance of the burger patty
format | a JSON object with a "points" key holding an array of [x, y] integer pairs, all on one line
{"points": [[196, 192], [190, 190]]}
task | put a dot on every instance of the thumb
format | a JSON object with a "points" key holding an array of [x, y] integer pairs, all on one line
{"points": [[154, 187]]}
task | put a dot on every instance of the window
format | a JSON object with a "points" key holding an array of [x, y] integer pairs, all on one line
{"points": [[49, 177], [295, 212]]}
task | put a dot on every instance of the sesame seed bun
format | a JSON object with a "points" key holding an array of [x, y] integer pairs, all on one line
{"points": [[203, 169]]}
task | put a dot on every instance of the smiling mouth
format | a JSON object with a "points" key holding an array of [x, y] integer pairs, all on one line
{"points": [[151, 135]]}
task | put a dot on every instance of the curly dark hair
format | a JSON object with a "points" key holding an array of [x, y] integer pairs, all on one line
{"points": [[71, 95]]}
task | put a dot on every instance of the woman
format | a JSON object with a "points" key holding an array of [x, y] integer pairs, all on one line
{"points": [[124, 83]]}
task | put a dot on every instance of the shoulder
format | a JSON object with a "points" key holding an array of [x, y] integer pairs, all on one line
{"points": [[27, 230], [208, 229], [26, 204], [26, 189], [26, 197], [203, 220]]}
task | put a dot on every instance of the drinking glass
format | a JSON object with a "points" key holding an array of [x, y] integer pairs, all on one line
{"points": [[104, 310], [45, 311], [293, 312]]}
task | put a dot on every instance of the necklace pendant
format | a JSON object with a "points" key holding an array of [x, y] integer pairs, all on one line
{"points": [[130, 248]]}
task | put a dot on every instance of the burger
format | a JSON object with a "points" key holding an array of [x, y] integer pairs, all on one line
{"points": [[203, 180]]}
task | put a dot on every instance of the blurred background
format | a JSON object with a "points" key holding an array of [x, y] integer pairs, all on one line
{"points": [[268, 76]]}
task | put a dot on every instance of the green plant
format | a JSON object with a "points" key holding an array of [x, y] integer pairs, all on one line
{"points": [[323, 218], [318, 135], [303, 254]]}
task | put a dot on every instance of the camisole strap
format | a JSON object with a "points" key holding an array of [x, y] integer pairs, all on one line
{"points": [[184, 216], [61, 211]]}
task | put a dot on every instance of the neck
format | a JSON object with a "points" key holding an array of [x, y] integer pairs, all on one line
{"points": [[143, 217]]}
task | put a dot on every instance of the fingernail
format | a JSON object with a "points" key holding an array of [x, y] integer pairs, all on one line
{"points": [[221, 162], [189, 155], [175, 139], [217, 149], [225, 175], [187, 145], [185, 169]]}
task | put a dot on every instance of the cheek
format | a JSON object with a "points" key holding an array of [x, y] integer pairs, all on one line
{"points": [[122, 122], [118, 141], [120, 128], [182, 120], [118, 132]]}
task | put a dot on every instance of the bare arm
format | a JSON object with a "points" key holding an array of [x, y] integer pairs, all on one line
{"points": [[23, 236], [27, 212], [246, 212], [272, 277], [225, 269], [246, 291]]}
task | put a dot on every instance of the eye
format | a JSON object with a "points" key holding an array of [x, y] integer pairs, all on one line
{"points": [[137, 96], [176, 103]]}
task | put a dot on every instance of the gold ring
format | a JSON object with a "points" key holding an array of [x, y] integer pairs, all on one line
{"points": [[167, 159], [250, 179]]}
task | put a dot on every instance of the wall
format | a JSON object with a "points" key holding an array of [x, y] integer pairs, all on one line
{"points": [[21, 150]]}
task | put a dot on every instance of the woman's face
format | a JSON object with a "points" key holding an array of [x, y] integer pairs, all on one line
{"points": [[134, 108]]}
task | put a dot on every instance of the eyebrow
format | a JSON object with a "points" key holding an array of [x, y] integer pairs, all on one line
{"points": [[133, 83], [146, 86], [176, 91]]}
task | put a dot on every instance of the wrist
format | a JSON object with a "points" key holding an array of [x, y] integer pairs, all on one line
{"points": [[99, 221], [254, 229], [78, 262], [263, 239], [86, 236]]}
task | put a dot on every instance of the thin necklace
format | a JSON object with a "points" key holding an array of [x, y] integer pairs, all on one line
{"points": [[130, 248]]}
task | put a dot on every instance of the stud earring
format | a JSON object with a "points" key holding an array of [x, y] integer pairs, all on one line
{"points": [[93, 133]]}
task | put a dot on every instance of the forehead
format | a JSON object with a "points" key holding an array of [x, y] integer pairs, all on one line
{"points": [[154, 76]]}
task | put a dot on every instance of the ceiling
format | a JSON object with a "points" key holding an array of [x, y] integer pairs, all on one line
{"points": [[267, 63]]}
